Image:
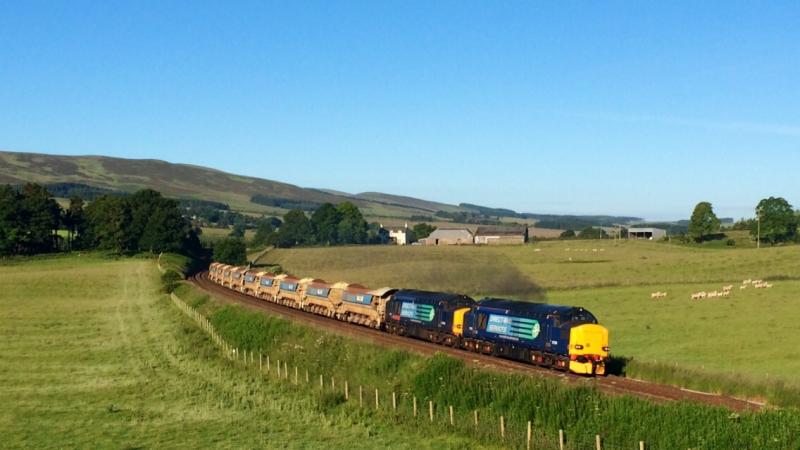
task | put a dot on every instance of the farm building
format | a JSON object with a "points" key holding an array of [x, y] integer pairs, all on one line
{"points": [[449, 236], [400, 235], [646, 233], [500, 235]]}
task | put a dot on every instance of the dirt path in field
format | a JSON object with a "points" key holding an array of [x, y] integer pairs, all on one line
{"points": [[612, 384]]}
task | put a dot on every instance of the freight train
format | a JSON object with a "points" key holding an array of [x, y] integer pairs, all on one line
{"points": [[566, 338]]}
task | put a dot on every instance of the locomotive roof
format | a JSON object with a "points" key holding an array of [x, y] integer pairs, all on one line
{"points": [[527, 307], [381, 292], [429, 296]]}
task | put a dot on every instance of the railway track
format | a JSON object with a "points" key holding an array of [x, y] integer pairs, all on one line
{"points": [[611, 384]]}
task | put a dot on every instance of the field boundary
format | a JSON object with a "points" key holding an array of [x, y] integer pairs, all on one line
{"points": [[372, 400]]}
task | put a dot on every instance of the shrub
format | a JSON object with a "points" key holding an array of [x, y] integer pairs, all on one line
{"points": [[170, 280]]}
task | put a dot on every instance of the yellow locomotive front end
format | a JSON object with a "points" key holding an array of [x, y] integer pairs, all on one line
{"points": [[588, 349]]}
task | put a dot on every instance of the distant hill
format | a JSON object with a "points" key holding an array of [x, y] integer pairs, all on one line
{"points": [[193, 182], [94, 175]]}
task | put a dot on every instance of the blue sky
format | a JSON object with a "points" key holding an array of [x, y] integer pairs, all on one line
{"points": [[562, 107]]}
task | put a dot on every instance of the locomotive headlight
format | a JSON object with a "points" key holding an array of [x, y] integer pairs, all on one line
{"points": [[605, 349], [578, 347]]}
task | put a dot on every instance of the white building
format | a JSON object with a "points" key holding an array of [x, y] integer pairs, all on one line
{"points": [[646, 233], [400, 235]]}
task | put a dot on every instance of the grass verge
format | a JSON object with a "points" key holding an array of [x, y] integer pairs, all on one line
{"points": [[581, 412]]}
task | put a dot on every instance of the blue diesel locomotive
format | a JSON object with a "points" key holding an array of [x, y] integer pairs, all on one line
{"points": [[562, 337]]}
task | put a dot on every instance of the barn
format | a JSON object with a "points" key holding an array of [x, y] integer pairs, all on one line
{"points": [[501, 235], [449, 236], [646, 233]]}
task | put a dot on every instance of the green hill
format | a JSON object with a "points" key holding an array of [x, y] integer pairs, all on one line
{"points": [[193, 182]]}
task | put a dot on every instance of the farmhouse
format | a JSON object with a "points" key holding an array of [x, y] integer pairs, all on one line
{"points": [[500, 235], [400, 235], [449, 236], [646, 233]]}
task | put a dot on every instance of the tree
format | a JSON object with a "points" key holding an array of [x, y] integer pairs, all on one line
{"points": [[778, 220], [264, 230], [107, 220], [11, 227], [352, 228], [568, 234], [41, 217], [296, 230], [325, 223], [703, 222], [376, 234], [423, 230], [231, 251], [74, 220]]}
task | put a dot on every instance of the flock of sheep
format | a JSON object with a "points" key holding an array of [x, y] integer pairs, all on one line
{"points": [[725, 292]]}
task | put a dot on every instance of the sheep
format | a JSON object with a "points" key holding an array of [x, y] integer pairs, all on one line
{"points": [[742, 287], [727, 288], [725, 293], [767, 285], [747, 281], [712, 294]]}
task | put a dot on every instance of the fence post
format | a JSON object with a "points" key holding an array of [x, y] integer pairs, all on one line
{"points": [[528, 441], [307, 376], [561, 439], [296, 378], [452, 421], [597, 443], [321, 382], [260, 368], [430, 409], [475, 415], [267, 363], [360, 397], [377, 404], [285, 370], [394, 401], [641, 445], [346, 391], [502, 427], [333, 384], [279, 368], [415, 406]]}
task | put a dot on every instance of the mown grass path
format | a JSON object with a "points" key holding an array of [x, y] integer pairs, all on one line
{"points": [[94, 356]]}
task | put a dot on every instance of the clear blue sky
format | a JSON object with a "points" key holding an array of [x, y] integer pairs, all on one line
{"points": [[565, 107]]}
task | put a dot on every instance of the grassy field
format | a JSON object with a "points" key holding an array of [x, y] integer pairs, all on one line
{"points": [[742, 338], [550, 404], [210, 235], [95, 356]]}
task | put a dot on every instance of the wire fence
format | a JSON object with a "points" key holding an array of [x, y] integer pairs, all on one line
{"points": [[398, 407]]}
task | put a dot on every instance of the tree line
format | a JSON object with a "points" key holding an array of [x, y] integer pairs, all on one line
{"points": [[32, 222], [776, 222]]}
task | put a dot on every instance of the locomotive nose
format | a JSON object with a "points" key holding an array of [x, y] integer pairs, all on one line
{"points": [[588, 349]]}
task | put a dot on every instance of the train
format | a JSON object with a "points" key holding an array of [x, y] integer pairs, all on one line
{"points": [[565, 338]]}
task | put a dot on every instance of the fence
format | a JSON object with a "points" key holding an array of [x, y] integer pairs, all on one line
{"points": [[401, 408]]}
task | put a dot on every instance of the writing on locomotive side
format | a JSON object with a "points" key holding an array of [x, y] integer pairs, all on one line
{"points": [[566, 338]]}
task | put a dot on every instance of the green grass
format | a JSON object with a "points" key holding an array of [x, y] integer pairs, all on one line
{"points": [[741, 344], [94, 356], [581, 411], [210, 235]]}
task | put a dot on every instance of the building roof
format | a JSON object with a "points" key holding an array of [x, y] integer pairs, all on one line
{"points": [[450, 233], [645, 230], [501, 230]]}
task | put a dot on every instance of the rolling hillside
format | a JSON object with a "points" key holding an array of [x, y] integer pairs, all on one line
{"points": [[250, 194], [194, 182]]}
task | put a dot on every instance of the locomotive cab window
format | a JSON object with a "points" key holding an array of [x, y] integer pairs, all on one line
{"points": [[582, 316]]}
